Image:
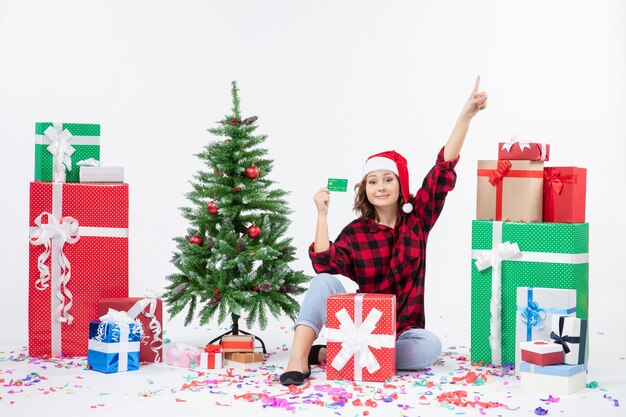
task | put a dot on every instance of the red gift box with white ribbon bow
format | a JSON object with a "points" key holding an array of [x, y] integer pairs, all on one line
{"points": [[361, 337], [78, 255], [149, 311]]}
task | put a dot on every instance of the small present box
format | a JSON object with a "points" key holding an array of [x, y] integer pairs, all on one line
{"points": [[554, 255], [183, 355], [571, 334], [510, 191], [361, 337], [243, 360], [101, 174], [59, 147], [539, 352], [564, 194], [149, 311], [238, 343], [524, 151], [535, 309], [560, 379], [79, 248], [114, 344], [211, 357]]}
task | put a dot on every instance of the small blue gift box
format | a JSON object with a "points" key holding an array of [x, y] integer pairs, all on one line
{"points": [[113, 347]]}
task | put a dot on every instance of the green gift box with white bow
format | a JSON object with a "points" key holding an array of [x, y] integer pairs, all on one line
{"points": [[508, 255], [60, 146]]}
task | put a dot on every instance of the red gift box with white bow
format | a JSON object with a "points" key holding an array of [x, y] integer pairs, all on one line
{"points": [[522, 150], [149, 311], [78, 255], [361, 337]]}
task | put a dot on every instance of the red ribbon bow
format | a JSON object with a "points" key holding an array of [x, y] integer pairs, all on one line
{"points": [[209, 348], [552, 181], [500, 172]]}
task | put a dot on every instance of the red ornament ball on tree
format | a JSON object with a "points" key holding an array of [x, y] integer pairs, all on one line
{"points": [[212, 207], [195, 240], [255, 288], [252, 172], [254, 231]]}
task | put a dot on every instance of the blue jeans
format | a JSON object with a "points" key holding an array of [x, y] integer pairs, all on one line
{"points": [[415, 348]]}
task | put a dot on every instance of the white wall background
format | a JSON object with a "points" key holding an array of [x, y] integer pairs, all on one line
{"points": [[332, 82]]}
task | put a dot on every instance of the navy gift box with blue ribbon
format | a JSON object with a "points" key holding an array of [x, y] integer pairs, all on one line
{"points": [[114, 346]]}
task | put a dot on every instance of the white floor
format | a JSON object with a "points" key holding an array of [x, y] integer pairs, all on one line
{"points": [[30, 387]]}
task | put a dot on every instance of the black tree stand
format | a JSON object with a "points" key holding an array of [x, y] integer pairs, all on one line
{"points": [[235, 330]]}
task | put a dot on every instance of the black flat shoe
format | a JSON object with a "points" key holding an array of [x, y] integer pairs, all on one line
{"points": [[314, 354], [294, 377]]}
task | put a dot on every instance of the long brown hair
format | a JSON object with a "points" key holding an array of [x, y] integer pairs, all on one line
{"points": [[362, 205]]}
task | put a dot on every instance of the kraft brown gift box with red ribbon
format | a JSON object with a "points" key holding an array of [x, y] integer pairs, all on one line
{"points": [[149, 311], [78, 255], [564, 194], [510, 191]]}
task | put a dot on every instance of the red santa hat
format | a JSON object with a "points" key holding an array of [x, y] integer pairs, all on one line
{"points": [[396, 163]]}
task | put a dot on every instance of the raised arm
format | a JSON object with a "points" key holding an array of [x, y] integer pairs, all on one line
{"points": [[322, 200], [476, 102]]}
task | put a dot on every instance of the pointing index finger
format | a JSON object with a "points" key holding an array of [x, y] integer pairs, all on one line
{"points": [[476, 85]]}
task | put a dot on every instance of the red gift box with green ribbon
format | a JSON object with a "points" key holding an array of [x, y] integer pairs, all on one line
{"points": [[564, 194], [78, 255]]}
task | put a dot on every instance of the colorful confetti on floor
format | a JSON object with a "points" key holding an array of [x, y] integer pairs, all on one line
{"points": [[452, 387]]}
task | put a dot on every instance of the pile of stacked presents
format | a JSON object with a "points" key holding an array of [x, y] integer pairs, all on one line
{"points": [[530, 268], [78, 302]]}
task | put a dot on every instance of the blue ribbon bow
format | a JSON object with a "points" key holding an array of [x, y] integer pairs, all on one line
{"points": [[533, 315]]}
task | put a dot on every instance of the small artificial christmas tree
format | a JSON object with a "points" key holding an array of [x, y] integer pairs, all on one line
{"points": [[235, 258]]}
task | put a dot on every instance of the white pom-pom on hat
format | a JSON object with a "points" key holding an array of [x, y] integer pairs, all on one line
{"points": [[396, 163]]}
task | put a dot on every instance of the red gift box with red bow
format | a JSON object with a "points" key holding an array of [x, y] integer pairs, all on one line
{"points": [[564, 194]]}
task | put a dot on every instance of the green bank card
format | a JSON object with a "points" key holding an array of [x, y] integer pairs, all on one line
{"points": [[337, 184]]}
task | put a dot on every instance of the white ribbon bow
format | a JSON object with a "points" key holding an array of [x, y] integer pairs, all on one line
{"points": [[523, 143], [53, 235], [121, 335], [150, 301], [60, 149], [357, 341], [494, 258], [91, 162], [503, 251], [116, 317]]}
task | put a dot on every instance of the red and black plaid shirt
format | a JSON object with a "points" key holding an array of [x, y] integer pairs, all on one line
{"points": [[392, 261]]}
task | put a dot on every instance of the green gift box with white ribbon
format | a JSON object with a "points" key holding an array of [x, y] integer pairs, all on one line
{"points": [[60, 146], [507, 255]]}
